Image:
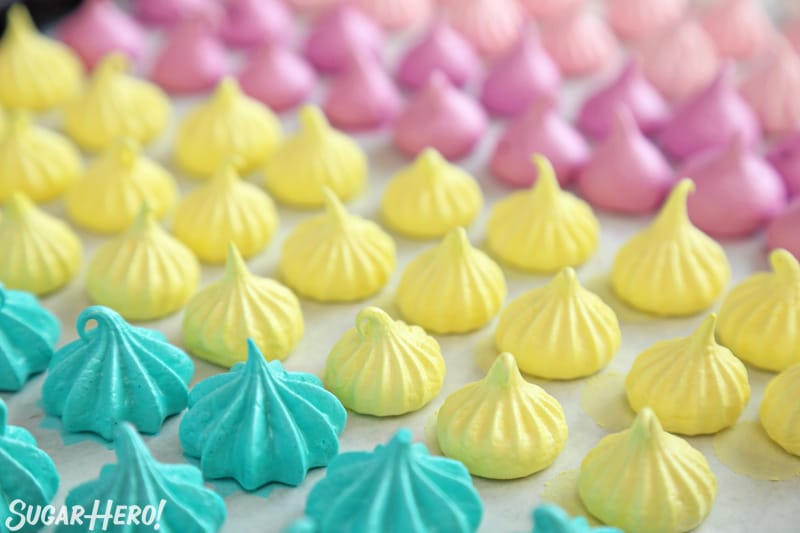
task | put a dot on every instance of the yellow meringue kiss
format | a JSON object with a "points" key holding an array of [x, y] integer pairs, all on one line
{"points": [[35, 161], [227, 125], [36, 72], [645, 480], [38, 252], [143, 273], [115, 185], [383, 367], [115, 104], [223, 210], [317, 156], [430, 198], [543, 229], [559, 331], [452, 287], [221, 317], [502, 427], [671, 268], [694, 385], [780, 409], [760, 318], [336, 256]]}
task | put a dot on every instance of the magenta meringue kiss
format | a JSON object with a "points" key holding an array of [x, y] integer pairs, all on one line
{"points": [[783, 232], [363, 96], [680, 60], [636, 19], [739, 28], [541, 130], [192, 60], [785, 158], [626, 173], [772, 90], [250, 23], [519, 78], [579, 41], [338, 34], [441, 48], [631, 90], [99, 27], [492, 26], [736, 193], [710, 119], [277, 77], [440, 116]]}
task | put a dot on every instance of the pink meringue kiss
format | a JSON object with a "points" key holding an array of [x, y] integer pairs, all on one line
{"points": [[394, 15], [492, 26], [548, 8], [680, 60], [626, 173], [785, 158], [631, 90], [277, 77], [783, 231], [710, 119], [739, 28], [541, 130], [519, 78], [99, 27], [363, 96], [250, 23], [169, 13], [338, 34], [772, 90], [442, 117], [634, 19], [579, 42], [192, 59], [443, 49], [737, 192]]}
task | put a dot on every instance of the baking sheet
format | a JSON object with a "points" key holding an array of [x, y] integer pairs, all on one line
{"points": [[742, 504]]}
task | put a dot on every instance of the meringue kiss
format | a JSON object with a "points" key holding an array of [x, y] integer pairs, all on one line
{"points": [[578, 41], [338, 34], [441, 48], [277, 77]]}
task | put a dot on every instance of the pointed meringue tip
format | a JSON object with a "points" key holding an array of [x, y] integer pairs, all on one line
{"points": [[630, 70], [227, 91], [504, 371], [546, 181], [704, 334], [785, 264], [313, 121], [402, 438], [112, 64], [456, 241], [371, 320], [128, 445], [126, 152], [3, 417], [235, 266], [334, 207], [255, 359], [566, 279], [646, 425], [674, 212], [624, 124], [227, 174], [18, 204], [429, 162], [19, 20], [145, 218]]}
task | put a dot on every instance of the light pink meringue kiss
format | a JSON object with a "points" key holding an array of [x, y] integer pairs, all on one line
{"points": [[737, 192], [541, 130], [363, 96], [442, 117], [783, 231], [579, 42], [634, 19], [626, 173], [192, 59], [99, 27], [277, 77], [443, 49], [631, 90], [338, 34], [772, 90], [710, 119], [169, 13], [519, 78], [492, 26], [739, 28], [548, 8], [250, 23], [680, 60], [394, 15], [785, 158]]}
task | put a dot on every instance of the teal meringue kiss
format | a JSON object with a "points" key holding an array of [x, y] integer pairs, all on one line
{"points": [[259, 424], [28, 333], [116, 373], [185, 505]]}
